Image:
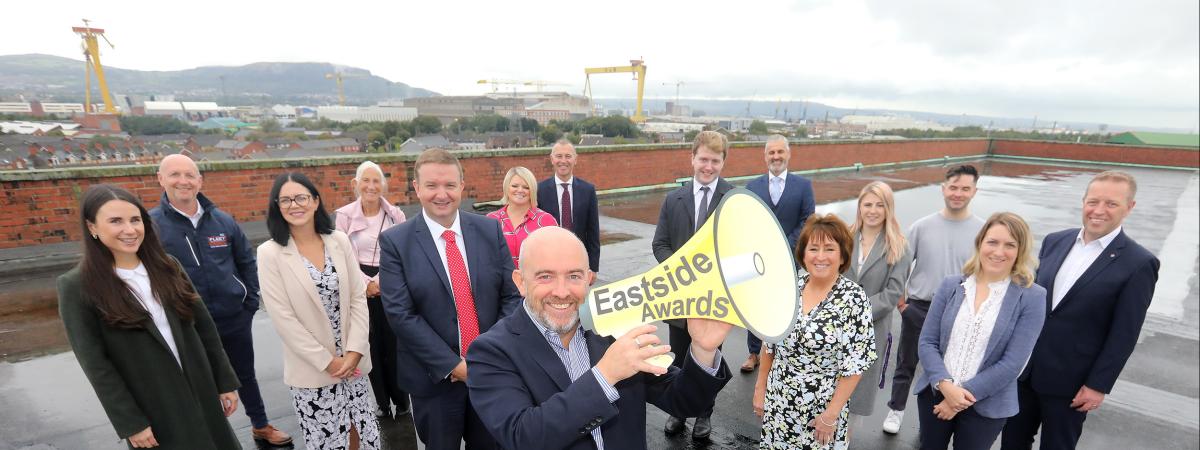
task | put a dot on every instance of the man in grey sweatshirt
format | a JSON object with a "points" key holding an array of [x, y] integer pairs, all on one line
{"points": [[940, 244]]}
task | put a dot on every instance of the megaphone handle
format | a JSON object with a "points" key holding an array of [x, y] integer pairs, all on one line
{"points": [[662, 361]]}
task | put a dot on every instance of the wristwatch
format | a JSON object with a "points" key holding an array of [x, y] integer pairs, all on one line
{"points": [[937, 386]]}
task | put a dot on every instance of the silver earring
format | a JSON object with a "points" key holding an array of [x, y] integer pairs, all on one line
{"points": [[95, 237]]}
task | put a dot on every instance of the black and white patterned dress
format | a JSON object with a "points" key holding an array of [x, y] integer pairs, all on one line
{"points": [[835, 339], [327, 413]]}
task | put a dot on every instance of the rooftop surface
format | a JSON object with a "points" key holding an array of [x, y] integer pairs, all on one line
{"points": [[1155, 403]]}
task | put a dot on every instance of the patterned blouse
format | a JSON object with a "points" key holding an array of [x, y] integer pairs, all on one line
{"points": [[516, 233], [835, 339]]}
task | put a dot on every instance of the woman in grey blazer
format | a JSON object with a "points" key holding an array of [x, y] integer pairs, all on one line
{"points": [[981, 328], [880, 265]]}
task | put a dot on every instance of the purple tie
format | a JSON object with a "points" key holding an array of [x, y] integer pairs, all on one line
{"points": [[566, 206]]}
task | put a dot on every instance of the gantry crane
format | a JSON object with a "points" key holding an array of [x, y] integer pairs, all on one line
{"points": [[91, 56], [339, 75], [538, 84], [637, 67]]}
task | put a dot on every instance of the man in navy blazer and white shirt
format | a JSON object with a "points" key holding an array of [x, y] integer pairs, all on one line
{"points": [[791, 199], [446, 277], [541, 381], [564, 192], [1099, 284]]}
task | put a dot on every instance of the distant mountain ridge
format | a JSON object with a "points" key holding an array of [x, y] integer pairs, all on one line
{"points": [[54, 78]]}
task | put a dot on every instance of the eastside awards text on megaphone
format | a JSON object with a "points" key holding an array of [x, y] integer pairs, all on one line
{"points": [[737, 268]]}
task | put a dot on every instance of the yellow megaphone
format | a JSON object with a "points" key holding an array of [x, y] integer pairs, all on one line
{"points": [[737, 268]]}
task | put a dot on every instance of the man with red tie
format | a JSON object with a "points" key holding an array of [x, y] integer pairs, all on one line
{"points": [[572, 201], [446, 277]]}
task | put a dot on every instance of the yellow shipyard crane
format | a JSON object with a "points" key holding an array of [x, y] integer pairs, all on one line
{"points": [[637, 67], [338, 76], [91, 56]]}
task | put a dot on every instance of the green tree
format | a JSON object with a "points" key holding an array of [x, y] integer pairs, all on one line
{"points": [[529, 125], [549, 135], [690, 135], [758, 127], [270, 125], [376, 138], [427, 125]]}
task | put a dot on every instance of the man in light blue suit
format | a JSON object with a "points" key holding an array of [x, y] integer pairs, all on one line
{"points": [[791, 199]]}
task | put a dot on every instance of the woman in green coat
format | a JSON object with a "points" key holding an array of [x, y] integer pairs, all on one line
{"points": [[141, 334]]}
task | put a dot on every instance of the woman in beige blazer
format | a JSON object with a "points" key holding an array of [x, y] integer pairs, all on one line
{"points": [[314, 293]]}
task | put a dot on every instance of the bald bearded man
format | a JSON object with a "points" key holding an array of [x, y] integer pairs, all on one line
{"points": [[540, 381]]}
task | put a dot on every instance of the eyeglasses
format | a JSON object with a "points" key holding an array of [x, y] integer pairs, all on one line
{"points": [[299, 200]]}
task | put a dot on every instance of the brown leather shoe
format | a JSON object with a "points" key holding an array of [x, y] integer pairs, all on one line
{"points": [[750, 364], [271, 435]]}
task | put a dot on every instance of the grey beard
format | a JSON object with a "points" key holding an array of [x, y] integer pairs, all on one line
{"points": [[544, 320]]}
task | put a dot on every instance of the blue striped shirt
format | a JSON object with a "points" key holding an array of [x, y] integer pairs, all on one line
{"points": [[577, 361]]}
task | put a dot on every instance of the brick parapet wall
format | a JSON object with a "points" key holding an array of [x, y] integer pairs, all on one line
{"points": [[1102, 153], [41, 207]]}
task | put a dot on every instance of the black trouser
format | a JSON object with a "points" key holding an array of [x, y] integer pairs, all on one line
{"points": [[681, 345], [1061, 425], [383, 354], [444, 421], [968, 429], [237, 338], [911, 320]]}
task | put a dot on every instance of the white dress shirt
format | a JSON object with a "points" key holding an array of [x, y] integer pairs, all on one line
{"points": [[973, 329], [138, 281], [698, 195], [436, 229], [1078, 260], [195, 218]]}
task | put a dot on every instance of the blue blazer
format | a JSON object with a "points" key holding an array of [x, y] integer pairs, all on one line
{"points": [[523, 394], [418, 302], [1090, 335], [1008, 348], [585, 213], [795, 205]]}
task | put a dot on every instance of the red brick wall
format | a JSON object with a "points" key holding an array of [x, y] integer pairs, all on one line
{"points": [[1111, 153], [41, 207]]}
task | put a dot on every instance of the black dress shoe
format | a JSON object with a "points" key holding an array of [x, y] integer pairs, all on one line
{"points": [[702, 428], [674, 426]]}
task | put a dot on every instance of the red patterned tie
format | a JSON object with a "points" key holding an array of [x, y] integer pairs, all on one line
{"points": [[566, 206], [464, 300]]}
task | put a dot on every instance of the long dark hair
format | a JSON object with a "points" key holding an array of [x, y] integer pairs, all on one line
{"points": [[108, 293], [277, 226]]}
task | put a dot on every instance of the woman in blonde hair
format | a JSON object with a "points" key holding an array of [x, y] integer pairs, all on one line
{"points": [[981, 328], [520, 215], [880, 264]]}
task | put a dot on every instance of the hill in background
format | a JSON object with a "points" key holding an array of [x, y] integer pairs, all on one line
{"points": [[54, 78]]}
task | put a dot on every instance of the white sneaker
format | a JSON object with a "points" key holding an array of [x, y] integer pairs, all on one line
{"points": [[891, 424]]}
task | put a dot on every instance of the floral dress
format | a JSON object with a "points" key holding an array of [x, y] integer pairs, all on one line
{"points": [[327, 413], [835, 339]]}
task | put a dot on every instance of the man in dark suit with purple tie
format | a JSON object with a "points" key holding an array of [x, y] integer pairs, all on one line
{"points": [[571, 200]]}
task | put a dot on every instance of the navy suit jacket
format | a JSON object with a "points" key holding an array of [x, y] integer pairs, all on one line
{"points": [[1092, 332], [677, 218], [418, 301], [523, 394], [795, 205], [1022, 313], [585, 213]]}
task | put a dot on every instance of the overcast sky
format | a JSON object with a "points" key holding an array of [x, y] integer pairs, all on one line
{"points": [[1129, 63]]}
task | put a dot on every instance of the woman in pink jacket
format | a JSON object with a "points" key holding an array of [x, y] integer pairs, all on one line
{"points": [[363, 220]]}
